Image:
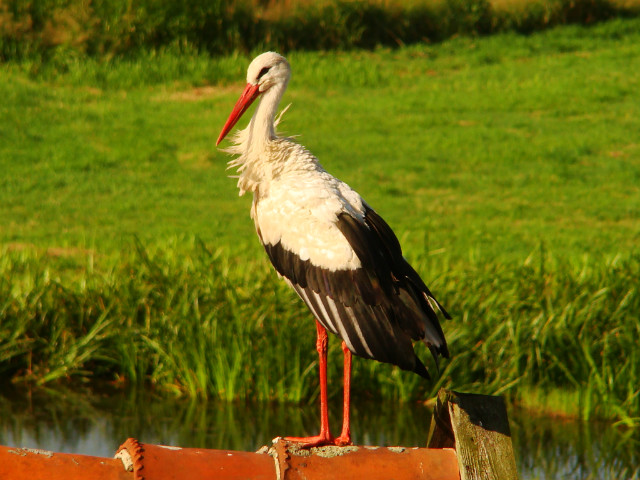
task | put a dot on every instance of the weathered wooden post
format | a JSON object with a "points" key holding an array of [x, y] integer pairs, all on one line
{"points": [[477, 426]]}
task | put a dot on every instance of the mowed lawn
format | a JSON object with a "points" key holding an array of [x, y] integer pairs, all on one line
{"points": [[489, 147]]}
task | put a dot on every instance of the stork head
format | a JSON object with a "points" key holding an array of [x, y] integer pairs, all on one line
{"points": [[266, 71]]}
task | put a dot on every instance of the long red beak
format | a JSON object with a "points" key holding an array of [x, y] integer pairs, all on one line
{"points": [[250, 93]]}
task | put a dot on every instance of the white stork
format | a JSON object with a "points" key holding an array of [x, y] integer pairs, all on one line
{"points": [[330, 246]]}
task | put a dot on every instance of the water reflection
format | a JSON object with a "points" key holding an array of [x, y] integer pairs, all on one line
{"points": [[96, 423], [559, 448], [64, 421]]}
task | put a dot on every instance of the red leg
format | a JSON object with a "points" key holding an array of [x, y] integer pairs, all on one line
{"points": [[324, 438], [345, 436]]}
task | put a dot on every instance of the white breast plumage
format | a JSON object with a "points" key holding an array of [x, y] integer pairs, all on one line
{"points": [[300, 211]]}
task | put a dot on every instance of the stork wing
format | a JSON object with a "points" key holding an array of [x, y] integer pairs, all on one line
{"points": [[378, 249], [376, 309]]}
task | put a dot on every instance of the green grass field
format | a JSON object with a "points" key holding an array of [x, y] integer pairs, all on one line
{"points": [[491, 145], [508, 165]]}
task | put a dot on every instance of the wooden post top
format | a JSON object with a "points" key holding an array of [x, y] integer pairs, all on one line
{"points": [[477, 426]]}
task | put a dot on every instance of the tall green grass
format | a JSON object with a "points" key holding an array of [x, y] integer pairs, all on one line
{"points": [[187, 321], [202, 323]]}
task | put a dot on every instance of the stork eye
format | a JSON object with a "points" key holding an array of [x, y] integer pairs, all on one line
{"points": [[263, 72]]}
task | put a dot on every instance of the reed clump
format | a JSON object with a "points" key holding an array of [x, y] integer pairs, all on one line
{"points": [[186, 319]]}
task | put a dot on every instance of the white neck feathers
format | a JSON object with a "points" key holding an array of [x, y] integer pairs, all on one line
{"points": [[262, 154]]}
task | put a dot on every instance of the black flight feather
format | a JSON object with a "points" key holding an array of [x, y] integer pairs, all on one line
{"points": [[376, 309]]}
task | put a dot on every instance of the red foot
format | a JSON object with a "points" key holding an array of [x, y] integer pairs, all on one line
{"points": [[315, 441], [343, 441]]}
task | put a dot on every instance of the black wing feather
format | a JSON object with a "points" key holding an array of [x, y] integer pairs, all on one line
{"points": [[379, 307], [379, 250]]}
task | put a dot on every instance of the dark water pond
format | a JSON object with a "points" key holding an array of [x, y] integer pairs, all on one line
{"points": [[96, 424]]}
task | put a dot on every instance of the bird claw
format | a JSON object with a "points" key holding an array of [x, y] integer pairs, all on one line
{"points": [[321, 440], [343, 441]]}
